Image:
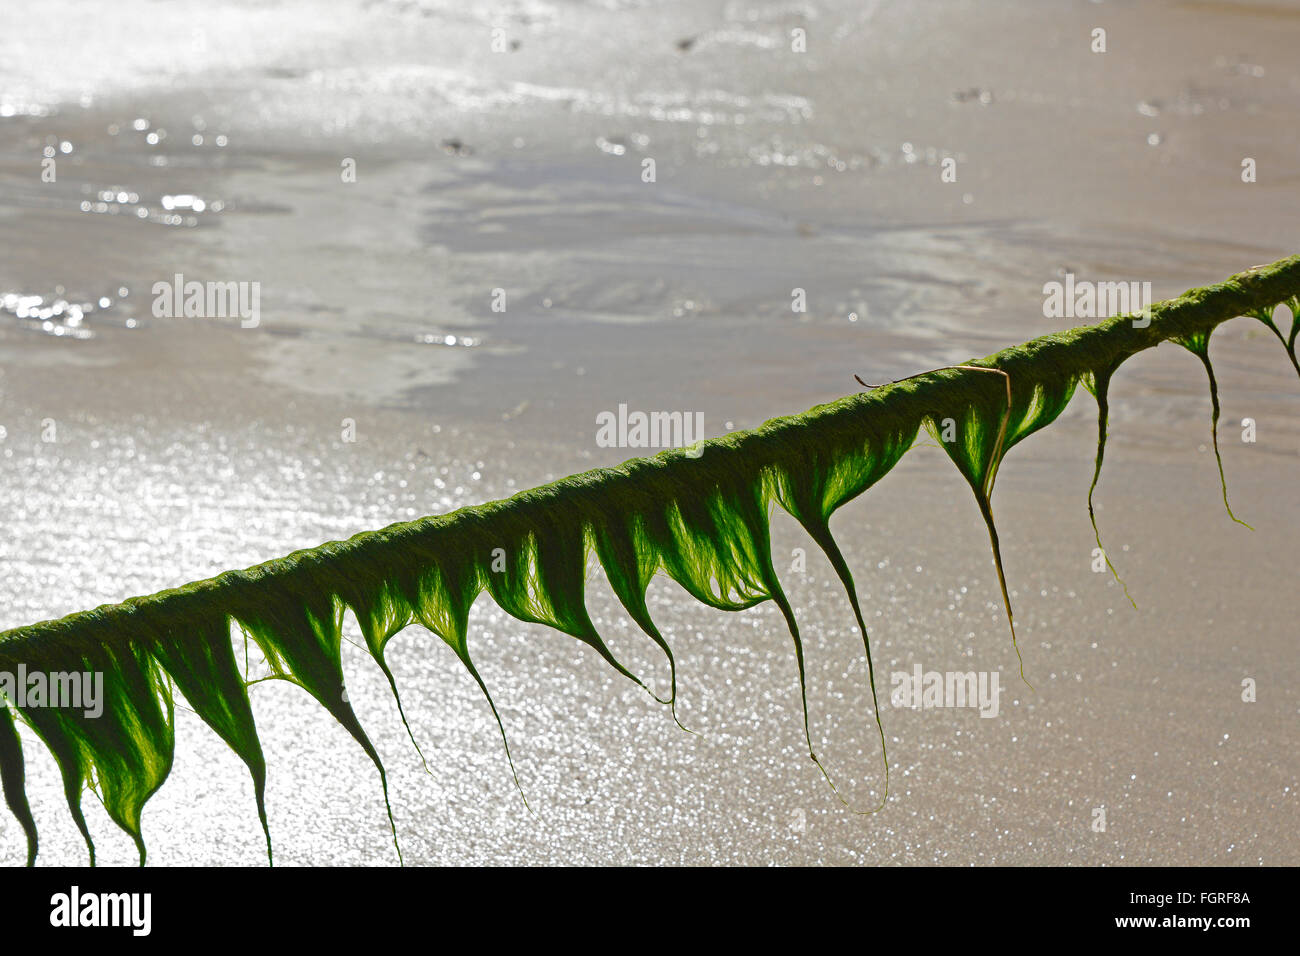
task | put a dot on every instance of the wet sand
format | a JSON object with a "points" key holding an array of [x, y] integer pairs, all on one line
{"points": [[1135, 711], [186, 447]]}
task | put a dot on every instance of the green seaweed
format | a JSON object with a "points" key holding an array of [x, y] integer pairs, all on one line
{"points": [[1198, 343], [1098, 383], [11, 759], [1265, 314], [700, 516]]}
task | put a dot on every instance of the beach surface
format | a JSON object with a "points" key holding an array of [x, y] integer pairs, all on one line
{"points": [[379, 384]]}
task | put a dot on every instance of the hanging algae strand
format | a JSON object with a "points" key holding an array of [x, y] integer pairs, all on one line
{"points": [[1199, 345], [984, 490], [700, 517], [1098, 383]]}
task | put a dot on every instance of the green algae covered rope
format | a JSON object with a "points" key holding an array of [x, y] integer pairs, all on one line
{"points": [[701, 516]]}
